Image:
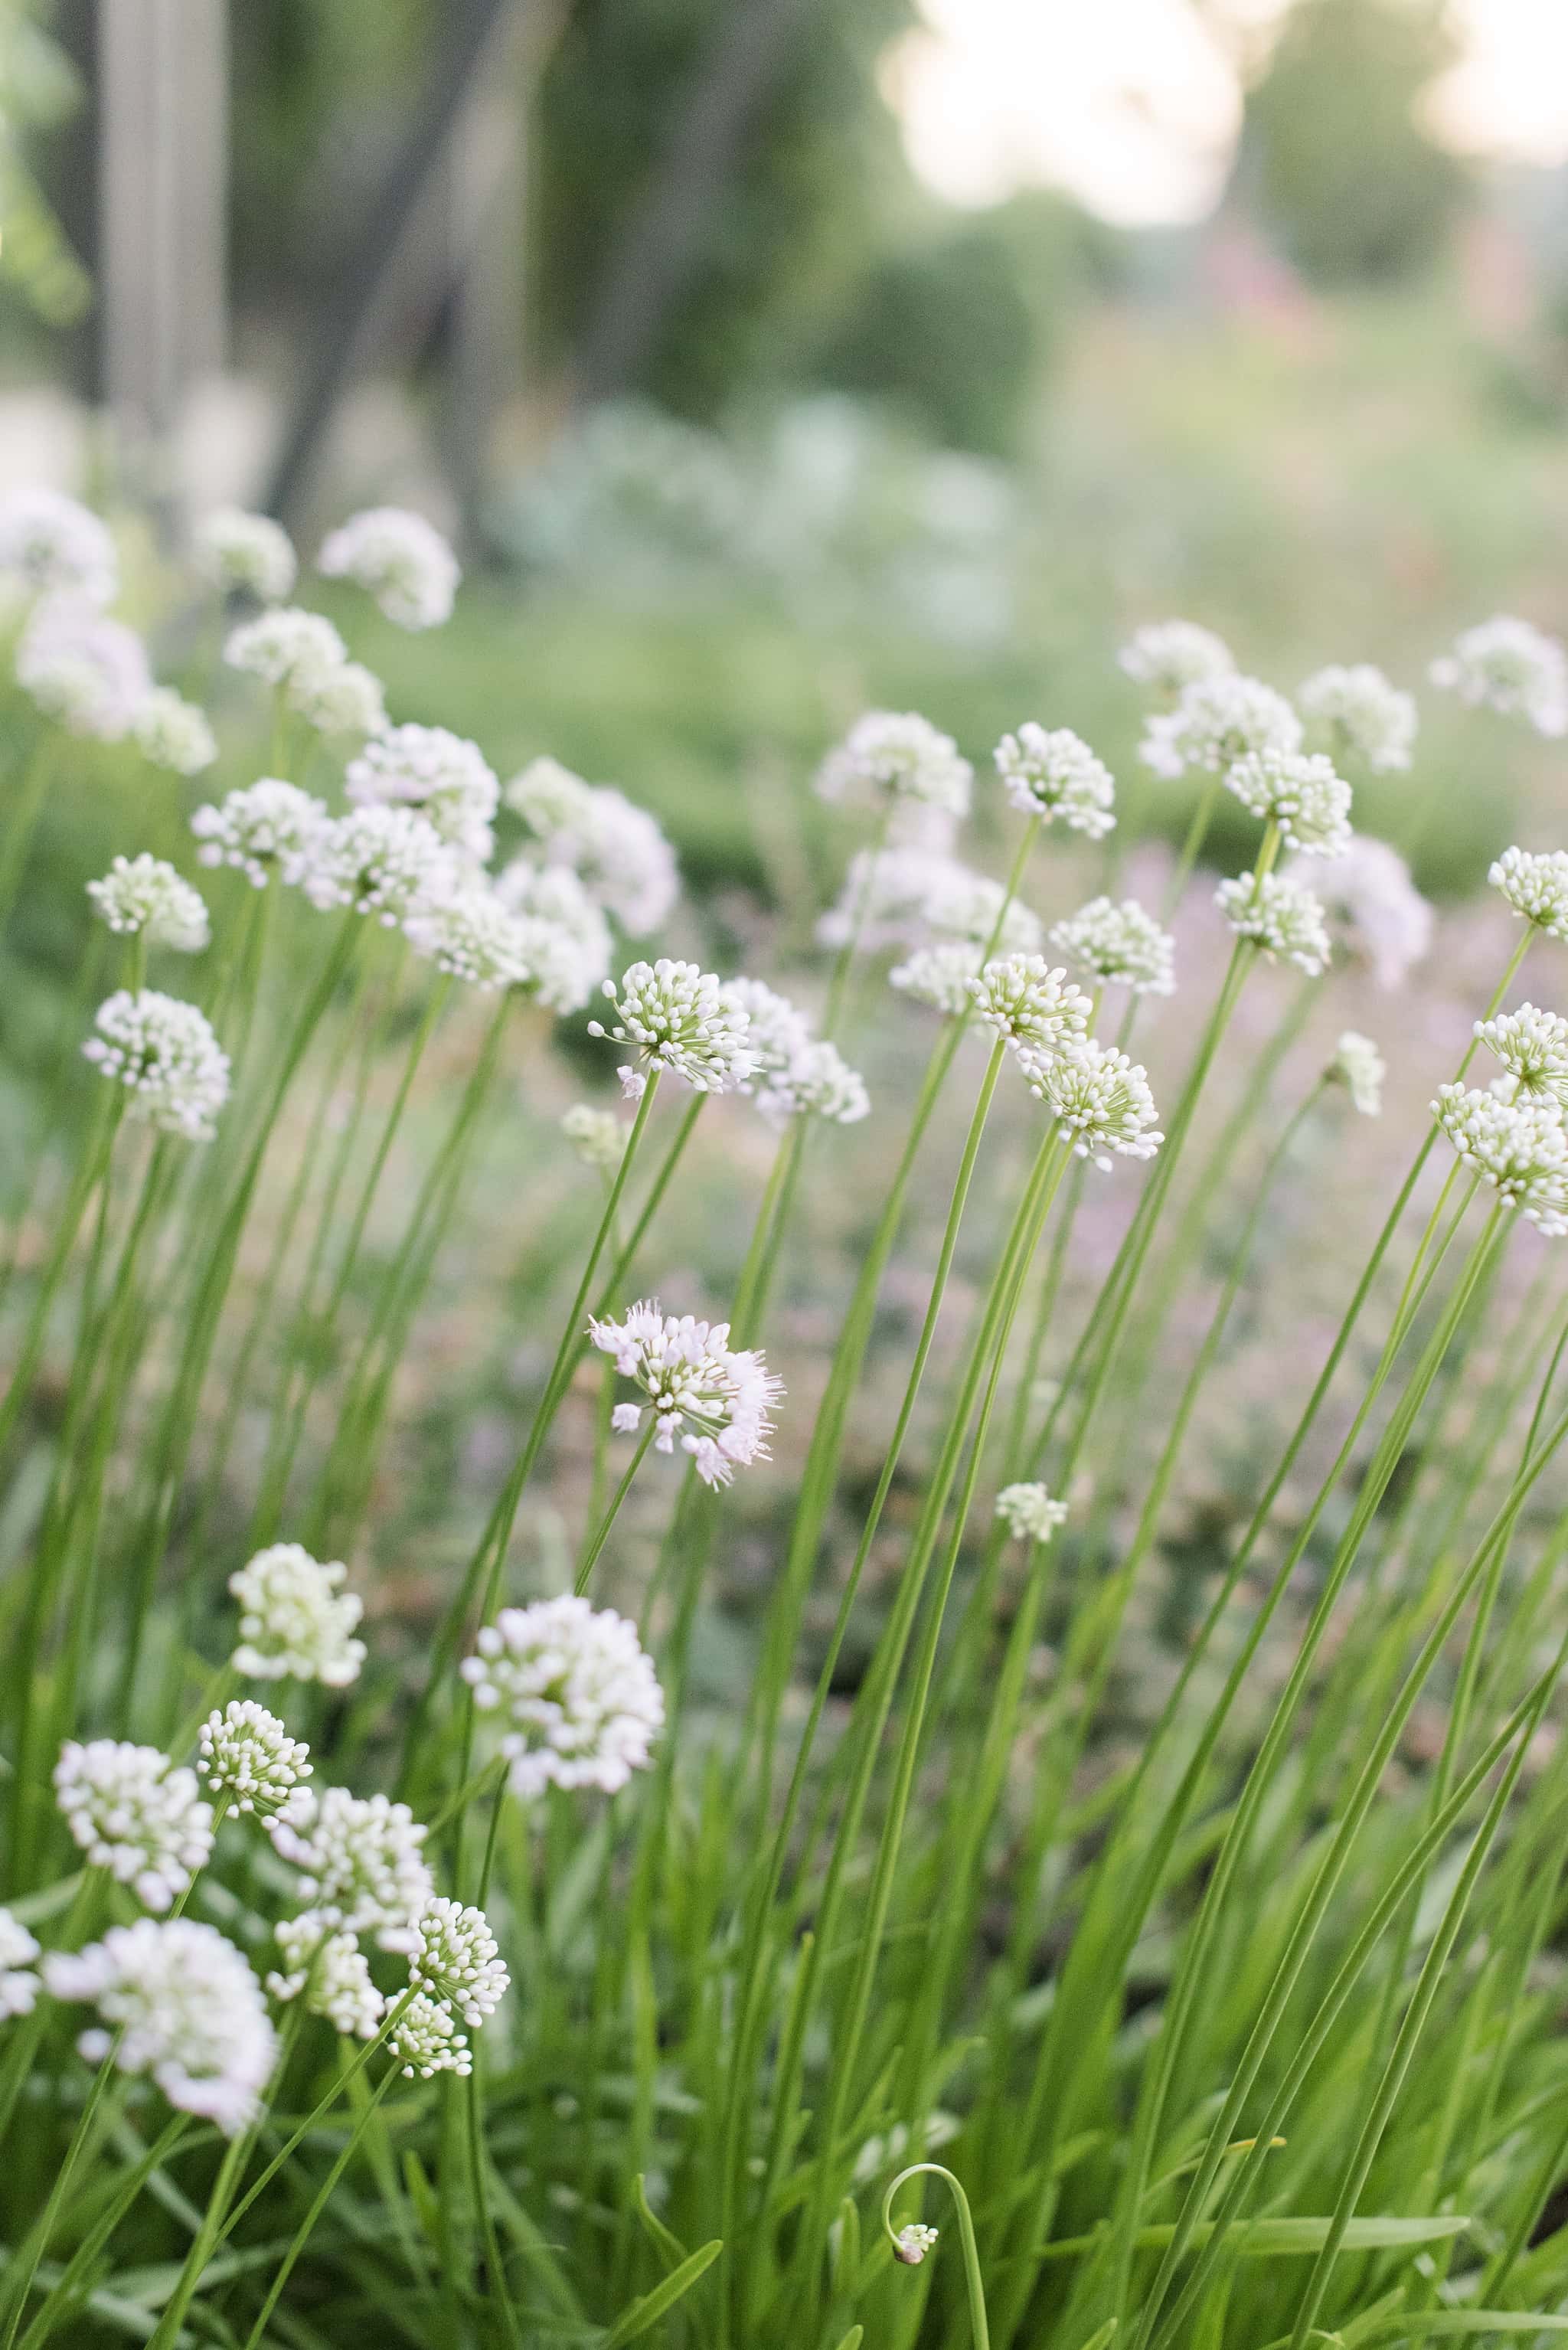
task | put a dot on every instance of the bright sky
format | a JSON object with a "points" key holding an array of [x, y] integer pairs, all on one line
{"points": [[1134, 105]]}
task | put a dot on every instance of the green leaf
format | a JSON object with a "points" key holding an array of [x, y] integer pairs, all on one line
{"points": [[1414, 2322], [852, 2339], [671, 2245], [652, 2307], [1274, 2239]]}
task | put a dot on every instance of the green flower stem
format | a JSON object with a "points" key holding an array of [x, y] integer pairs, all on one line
{"points": [[598, 1540], [66, 2294], [1191, 848], [22, 816], [323, 2196], [16, 2282], [974, 2282], [91, 1173]]}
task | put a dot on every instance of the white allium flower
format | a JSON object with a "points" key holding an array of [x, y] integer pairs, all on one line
{"points": [[1536, 884], [296, 1622], [1036, 1009], [173, 733], [1101, 1098], [569, 943], [86, 671], [52, 546], [471, 934], [823, 1085], [717, 1398], [179, 2002], [1372, 718], [1029, 1513], [447, 778], [597, 1136], [1513, 668], [135, 1812], [144, 894], [1532, 1047], [1518, 1148], [381, 861], [164, 1052], [458, 1962], [1377, 912], [1285, 920], [248, 1754], [940, 976], [1056, 773], [348, 700], [796, 1074], [1219, 720], [574, 1691], [248, 553], [912, 2242], [613, 847], [1359, 1065], [901, 896], [1171, 654], [681, 1018], [1120, 944], [288, 647], [1301, 793], [361, 1869], [399, 558], [262, 828], [333, 1973], [897, 756], [18, 1983], [425, 2041]]}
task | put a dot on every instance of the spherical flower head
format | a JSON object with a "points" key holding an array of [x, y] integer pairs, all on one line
{"points": [[1377, 911], [899, 897], [446, 777], [1029, 1513], [360, 1863], [1511, 667], [458, 1961], [296, 1622], [1055, 776], [244, 554], [330, 1971], [381, 861], [1536, 886], [173, 733], [425, 2041], [287, 647], [1532, 1047], [1100, 1099], [1036, 1009], [1368, 715], [574, 1691], [912, 2242], [18, 1983], [1121, 945], [135, 1812], [473, 936], [1358, 1066], [597, 1136], [891, 755], [940, 976], [263, 829], [143, 895], [1171, 654], [1281, 916], [164, 1052], [89, 674], [179, 2004], [823, 1085], [569, 943], [247, 1754], [1218, 720], [52, 546], [1298, 792], [681, 1018], [796, 1075], [717, 1398], [399, 558], [615, 849], [1517, 1148], [348, 700]]}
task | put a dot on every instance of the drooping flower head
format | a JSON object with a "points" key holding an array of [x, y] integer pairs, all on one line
{"points": [[247, 1754], [1055, 775], [458, 1962], [297, 1621], [382, 861], [1512, 666], [1368, 715], [360, 1863], [1171, 654], [286, 646], [1100, 1099], [1376, 910], [1300, 793], [1029, 1513], [573, 1692], [1536, 886], [1281, 916], [1120, 945], [18, 1983], [1532, 1047], [142, 894], [891, 755], [448, 779], [135, 1812], [263, 829], [1517, 1148], [53, 545], [399, 558], [615, 847], [244, 554], [1218, 720], [179, 2004], [164, 1052], [718, 1400], [87, 673], [1358, 1066], [682, 1018], [173, 733], [330, 1971], [1034, 1009], [912, 2242]]}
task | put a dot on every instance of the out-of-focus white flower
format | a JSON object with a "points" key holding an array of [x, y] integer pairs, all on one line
{"points": [[263, 829], [348, 700], [52, 546], [471, 935], [1370, 716], [1218, 720], [1029, 1513], [912, 2242], [597, 1136], [86, 671], [448, 779], [399, 558], [1034, 1009], [18, 1983], [615, 847], [381, 861], [1368, 894], [823, 1085], [425, 2041], [135, 1812], [248, 554], [1298, 792], [173, 733], [144, 894], [1513, 668], [1171, 654], [247, 1754], [1359, 1065], [917, 897], [1284, 919], [1055, 776], [1518, 1148], [796, 1074], [897, 755], [1536, 884], [297, 1621], [332, 1972], [682, 1018], [179, 2004], [940, 976], [286, 646], [1532, 1047], [1120, 944], [361, 1869], [1101, 1100], [569, 943], [164, 1052], [717, 1398], [574, 1690], [458, 1962]]}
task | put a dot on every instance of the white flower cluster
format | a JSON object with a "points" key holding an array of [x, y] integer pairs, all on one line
{"points": [[287, 647], [263, 829], [173, 733], [1218, 718], [348, 700], [1101, 1099], [399, 558], [796, 1074], [1366, 891], [134, 1813], [1517, 1148], [471, 934], [448, 779], [1029, 1513], [382, 861], [1300, 794], [615, 849], [912, 2242], [680, 1018], [1368, 715], [426, 2040], [1536, 884], [295, 1619], [568, 944], [142, 894], [1532, 1047], [247, 1754], [1512, 666], [1170, 655], [179, 2002], [916, 897], [360, 1863], [244, 554], [1281, 916], [1036, 1010], [717, 1398], [891, 755], [597, 1136], [1359, 1066], [18, 1983], [164, 1052], [458, 1962], [1055, 775], [51, 546], [574, 1691], [86, 671], [332, 1972], [940, 976], [1119, 944]]}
